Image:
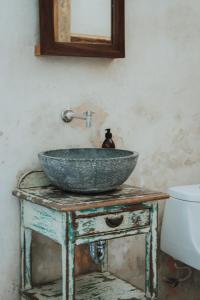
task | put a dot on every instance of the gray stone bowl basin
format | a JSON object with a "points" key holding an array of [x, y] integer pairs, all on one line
{"points": [[88, 170]]}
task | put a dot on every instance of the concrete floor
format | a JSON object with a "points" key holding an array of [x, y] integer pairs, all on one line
{"points": [[188, 290]]}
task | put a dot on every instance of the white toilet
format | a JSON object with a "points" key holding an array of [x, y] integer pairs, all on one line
{"points": [[180, 234]]}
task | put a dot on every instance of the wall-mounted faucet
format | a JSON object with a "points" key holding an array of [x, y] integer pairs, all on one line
{"points": [[68, 115]]}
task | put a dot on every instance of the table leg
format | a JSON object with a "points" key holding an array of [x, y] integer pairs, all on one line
{"points": [[26, 238], [64, 270], [68, 261], [151, 255]]}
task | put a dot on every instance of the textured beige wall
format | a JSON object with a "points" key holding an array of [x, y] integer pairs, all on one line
{"points": [[150, 100]]}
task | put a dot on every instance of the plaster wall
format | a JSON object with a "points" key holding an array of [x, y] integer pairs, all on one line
{"points": [[150, 99], [91, 18]]}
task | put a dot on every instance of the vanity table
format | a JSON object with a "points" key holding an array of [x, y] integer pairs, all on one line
{"points": [[72, 219]]}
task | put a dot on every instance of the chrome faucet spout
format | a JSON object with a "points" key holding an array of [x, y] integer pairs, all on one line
{"points": [[68, 115]]}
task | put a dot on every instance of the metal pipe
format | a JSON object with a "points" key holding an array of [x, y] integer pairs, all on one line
{"points": [[97, 251]]}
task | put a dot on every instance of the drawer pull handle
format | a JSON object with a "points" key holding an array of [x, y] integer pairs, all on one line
{"points": [[114, 222]]}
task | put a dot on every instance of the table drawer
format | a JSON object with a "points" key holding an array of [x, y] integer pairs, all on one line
{"points": [[112, 222]]}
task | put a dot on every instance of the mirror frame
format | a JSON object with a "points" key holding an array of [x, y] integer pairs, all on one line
{"points": [[48, 45]]}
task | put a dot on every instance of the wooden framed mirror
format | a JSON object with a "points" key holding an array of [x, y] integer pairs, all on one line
{"points": [[90, 28]]}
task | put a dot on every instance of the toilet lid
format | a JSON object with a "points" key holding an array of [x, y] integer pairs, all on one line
{"points": [[186, 192]]}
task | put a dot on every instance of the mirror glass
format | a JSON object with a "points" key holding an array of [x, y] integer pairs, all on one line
{"points": [[78, 21]]}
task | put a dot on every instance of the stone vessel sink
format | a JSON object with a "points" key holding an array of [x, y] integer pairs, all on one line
{"points": [[88, 170]]}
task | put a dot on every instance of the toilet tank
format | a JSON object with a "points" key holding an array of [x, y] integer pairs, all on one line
{"points": [[180, 237]]}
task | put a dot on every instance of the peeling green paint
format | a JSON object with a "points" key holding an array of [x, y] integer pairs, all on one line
{"points": [[110, 236], [43, 220], [71, 257], [96, 225], [27, 248], [151, 255], [80, 227], [99, 286]]}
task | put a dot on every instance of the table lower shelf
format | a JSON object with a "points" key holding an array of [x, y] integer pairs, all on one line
{"points": [[99, 286]]}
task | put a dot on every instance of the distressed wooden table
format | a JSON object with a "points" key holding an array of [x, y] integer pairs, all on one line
{"points": [[70, 220]]}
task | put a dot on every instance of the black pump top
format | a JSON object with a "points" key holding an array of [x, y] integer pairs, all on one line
{"points": [[108, 134]]}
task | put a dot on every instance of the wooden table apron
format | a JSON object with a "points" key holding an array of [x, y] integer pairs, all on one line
{"points": [[70, 226]]}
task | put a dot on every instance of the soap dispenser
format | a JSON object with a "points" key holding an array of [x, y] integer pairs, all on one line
{"points": [[108, 143]]}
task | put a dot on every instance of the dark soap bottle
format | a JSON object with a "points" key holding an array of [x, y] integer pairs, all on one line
{"points": [[108, 143]]}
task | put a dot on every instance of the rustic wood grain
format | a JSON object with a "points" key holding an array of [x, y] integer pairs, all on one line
{"points": [[49, 45], [83, 261], [55, 198], [86, 38], [37, 50], [62, 20]]}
